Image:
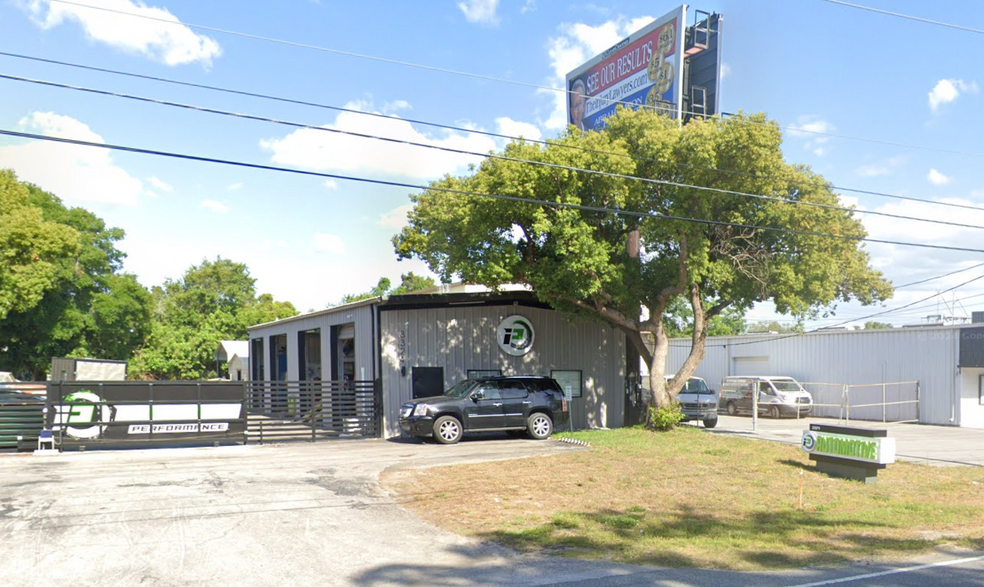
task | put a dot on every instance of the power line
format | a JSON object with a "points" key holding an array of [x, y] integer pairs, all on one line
{"points": [[477, 154], [468, 74], [473, 131], [939, 276], [327, 49], [906, 16], [868, 317], [598, 209]]}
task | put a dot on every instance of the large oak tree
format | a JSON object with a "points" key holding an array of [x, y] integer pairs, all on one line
{"points": [[722, 221]]}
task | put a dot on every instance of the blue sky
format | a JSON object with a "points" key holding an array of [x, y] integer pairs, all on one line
{"points": [[871, 101]]}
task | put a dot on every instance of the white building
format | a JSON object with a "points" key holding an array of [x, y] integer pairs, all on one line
{"points": [[947, 362]]}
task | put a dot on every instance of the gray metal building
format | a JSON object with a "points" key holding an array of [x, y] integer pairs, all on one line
{"points": [[420, 344], [946, 361]]}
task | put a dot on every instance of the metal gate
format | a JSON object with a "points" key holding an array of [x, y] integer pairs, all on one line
{"points": [[311, 410]]}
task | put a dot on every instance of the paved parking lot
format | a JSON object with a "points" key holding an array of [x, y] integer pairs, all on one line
{"points": [[314, 514]]}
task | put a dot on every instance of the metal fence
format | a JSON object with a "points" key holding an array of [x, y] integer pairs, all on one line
{"points": [[137, 414], [875, 402], [308, 410], [21, 420]]}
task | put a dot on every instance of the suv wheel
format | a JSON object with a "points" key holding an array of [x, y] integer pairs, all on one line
{"points": [[539, 425], [710, 422], [774, 412], [732, 409], [447, 430]]}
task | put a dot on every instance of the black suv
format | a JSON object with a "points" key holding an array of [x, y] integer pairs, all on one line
{"points": [[533, 404]]}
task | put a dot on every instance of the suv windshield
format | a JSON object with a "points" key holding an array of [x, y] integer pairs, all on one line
{"points": [[461, 389]]}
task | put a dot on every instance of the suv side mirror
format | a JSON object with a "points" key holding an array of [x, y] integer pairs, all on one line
{"points": [[477, 395]]}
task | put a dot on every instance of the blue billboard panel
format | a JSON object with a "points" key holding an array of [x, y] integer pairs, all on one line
{"points": [[645, 69]]}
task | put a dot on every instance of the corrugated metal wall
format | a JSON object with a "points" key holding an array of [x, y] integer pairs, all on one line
{"points": [[928, 355], [365, 339], [463, 338]]}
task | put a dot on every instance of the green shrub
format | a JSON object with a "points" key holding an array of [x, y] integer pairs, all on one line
{"points": [[665, 418]]}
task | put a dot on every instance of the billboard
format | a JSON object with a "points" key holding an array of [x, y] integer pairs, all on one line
{"points": [[644, 69]]}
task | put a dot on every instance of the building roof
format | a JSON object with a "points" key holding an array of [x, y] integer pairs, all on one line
{"points": [[458, 294], [230, 348]]}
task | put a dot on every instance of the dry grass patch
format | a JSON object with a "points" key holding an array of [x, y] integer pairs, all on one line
{"points": [[689, 498]]}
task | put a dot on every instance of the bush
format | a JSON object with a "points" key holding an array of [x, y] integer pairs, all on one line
{"points": [[665, 418]]}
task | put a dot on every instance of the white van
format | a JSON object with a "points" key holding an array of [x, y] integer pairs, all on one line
{"points": [[698, 402], [777, 396]]}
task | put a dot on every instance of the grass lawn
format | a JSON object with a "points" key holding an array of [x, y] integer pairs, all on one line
{"points": [[688, 498]]}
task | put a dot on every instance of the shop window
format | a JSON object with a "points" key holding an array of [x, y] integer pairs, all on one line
{"points": [[569, 380]]}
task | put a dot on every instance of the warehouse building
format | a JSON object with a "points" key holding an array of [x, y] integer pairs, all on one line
{"points": [[420, 344], [929, 374]]}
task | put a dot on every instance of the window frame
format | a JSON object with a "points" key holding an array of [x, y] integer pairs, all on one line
{"points": [[563, 376]]}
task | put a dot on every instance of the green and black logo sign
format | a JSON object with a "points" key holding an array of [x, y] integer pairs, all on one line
{"points": [[515, 336]]}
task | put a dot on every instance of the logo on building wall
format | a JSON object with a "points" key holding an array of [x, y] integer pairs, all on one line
{"points": [[515, 336]]}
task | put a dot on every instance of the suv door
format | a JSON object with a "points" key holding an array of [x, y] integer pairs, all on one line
{"points": [[484, 409], [516, 402]]}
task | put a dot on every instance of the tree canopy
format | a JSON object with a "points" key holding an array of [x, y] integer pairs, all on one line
{"points": [[720, 220], [61, 289], [408, 283], [212, 302]]}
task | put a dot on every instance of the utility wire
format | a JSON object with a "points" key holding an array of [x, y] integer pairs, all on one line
{"points": [[477, 154], [582, 207], [939, 276], [475, 131], [906, 16], [467, 74], [868, 317], [330, 50]]}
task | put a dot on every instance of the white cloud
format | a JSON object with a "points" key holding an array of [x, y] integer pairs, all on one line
{"points": [[328, 243], [937, 178], [331, 151], [879, 168], [159, 35], [948, 90], [530, 6], [235, 186], [331, 185], [159, 185], [214, 206], [514, 128], [395, 218], [83, 175], [576, 44], [725, 70], [812, 130], [480, 11]]}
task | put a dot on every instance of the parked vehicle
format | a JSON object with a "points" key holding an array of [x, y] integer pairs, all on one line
{"points": [[518, 403], [777, 396], [698, 402]]}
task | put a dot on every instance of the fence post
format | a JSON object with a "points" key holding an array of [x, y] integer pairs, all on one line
{"points": [[918, 418], [883, 403]]}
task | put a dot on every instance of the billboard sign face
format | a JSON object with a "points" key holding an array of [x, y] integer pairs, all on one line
{"points": [[644, 69]]}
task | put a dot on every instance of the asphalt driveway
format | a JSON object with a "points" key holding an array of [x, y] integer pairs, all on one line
{"points": [[303, 514]]}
